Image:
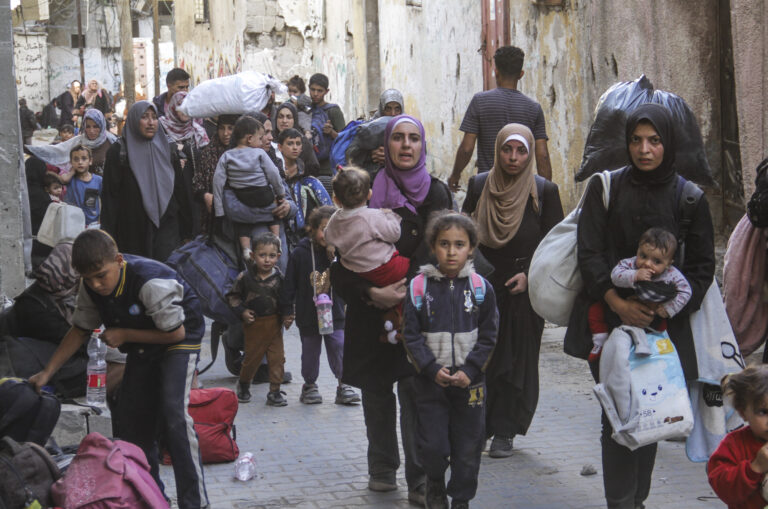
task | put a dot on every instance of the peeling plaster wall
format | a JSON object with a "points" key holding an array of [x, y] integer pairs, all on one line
{"points": [[213, 49], [574, 54], [30, 54], [429, 53], [749, 19], [285, 37]]}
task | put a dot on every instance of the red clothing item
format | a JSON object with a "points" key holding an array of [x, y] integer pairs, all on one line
{"points": [[391, 272], [729, 472]]}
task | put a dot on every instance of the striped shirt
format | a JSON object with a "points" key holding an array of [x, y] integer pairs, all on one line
{"points": [[491, 110]]}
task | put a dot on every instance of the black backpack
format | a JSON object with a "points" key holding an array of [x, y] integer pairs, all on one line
{"points": [[27, 473], [25, 415]]}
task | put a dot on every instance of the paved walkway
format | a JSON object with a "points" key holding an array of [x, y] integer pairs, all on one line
{"points": [[315, 456]]}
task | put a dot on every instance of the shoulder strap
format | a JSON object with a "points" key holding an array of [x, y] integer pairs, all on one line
{"points": [[478, 287], [688, 196], [540, 183], [418, 288]]}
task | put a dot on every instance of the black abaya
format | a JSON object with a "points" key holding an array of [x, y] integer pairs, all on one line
{"points": [[512, 377]]}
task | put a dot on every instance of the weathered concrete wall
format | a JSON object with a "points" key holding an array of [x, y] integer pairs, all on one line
{"points": [[574, 54], [101, 55], [749, 22], [213, 49], [30, 55], [430, 54], [12, 192]]}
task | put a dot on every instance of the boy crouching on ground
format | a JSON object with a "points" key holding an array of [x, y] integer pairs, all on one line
{"points": [[151, 314]]}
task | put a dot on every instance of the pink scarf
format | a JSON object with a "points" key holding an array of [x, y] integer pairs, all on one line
{"points": [[178, 130], [743, 285]]}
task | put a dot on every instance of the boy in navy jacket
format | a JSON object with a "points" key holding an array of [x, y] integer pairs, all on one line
{"points": [[151, 314]]}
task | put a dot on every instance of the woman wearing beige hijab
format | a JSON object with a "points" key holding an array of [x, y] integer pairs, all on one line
{"points": [[514, 209]]}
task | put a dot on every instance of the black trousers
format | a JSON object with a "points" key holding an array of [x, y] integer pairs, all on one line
{"points": [[380, 413], [153, 404], [626, 474], [451, 431]]}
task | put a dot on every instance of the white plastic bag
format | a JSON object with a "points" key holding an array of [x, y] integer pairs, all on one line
{"points": [[554, 276], [717, 354], [61, 223], [235, 94], [659, 407]]}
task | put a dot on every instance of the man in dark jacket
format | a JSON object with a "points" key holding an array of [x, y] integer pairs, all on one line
{"points": [[177, 80], [28, 121]]}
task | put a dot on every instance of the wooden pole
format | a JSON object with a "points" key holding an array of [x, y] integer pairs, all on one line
{"points": [[156, 42], [80, 45], [126, 45]]}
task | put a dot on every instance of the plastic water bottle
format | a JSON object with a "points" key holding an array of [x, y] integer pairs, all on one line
{"points": [[245, 467], [324, 306], [96, 393]]}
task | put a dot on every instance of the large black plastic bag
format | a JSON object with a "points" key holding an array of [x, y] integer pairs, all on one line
{"points": [[369, 137], [606, 148]]}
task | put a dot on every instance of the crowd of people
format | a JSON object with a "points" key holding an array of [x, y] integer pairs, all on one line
{"points": [[429, 306]]}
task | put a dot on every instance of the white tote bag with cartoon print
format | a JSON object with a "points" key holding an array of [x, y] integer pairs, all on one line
{"points": [[642, 389]]}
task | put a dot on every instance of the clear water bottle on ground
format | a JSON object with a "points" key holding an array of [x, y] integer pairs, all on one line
{"points": [[96, 392], [245, 467]]}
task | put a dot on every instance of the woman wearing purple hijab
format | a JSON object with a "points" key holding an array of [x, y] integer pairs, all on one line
{"points": [[405, 186]]}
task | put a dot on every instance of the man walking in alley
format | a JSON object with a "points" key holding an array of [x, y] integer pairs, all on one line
{"points": [[177, 80], [491, 110]]}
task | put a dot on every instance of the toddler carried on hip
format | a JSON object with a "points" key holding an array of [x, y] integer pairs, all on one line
{"points": [[365, 239]]}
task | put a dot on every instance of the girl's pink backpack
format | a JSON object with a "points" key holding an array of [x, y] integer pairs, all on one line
{"points": [[107, 475]]}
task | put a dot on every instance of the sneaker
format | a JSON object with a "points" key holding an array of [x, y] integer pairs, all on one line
{"points": [[459, 504], [276, 398], [501, 447], [416, 496], [435, 496], [310, 395], [243, 392], [345, 395], [382, 482]]}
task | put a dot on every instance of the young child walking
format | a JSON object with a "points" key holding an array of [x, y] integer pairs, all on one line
{"points": [[365, 238], [737, 469], [155, 317], [657, 283], [308, 276], [252, 176], [257, 298], [84, 189], [450, 331]]}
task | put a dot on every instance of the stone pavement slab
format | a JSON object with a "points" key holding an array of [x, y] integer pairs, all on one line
{"points": [[314, 456]]}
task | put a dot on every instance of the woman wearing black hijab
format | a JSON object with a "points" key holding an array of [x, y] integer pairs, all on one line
{"points": [[39, 200], [145, 200], [642, 195]]}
